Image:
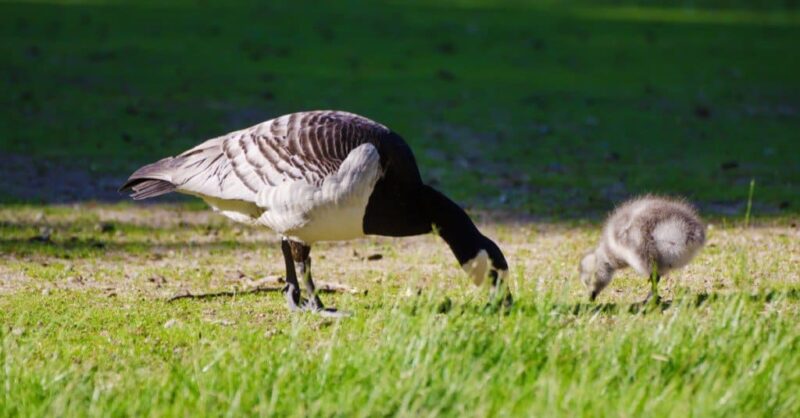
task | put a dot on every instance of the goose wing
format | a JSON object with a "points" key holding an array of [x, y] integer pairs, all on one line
{"points": [[306, 147]]}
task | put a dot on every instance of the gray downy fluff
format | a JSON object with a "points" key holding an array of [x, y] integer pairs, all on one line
{"points": [[650, 234]]}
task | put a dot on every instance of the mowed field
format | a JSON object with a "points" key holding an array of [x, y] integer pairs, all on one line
{"points": [[88, 328], [537, 117]]}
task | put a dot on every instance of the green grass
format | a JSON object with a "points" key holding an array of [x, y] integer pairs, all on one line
{"points": [[86, 355], [86, 328], [555, 109]]}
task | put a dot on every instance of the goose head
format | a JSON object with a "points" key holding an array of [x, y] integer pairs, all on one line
{"points": [[487, 261]]}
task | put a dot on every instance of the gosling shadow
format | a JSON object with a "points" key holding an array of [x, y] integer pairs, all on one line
{"points": [[693, 301]]}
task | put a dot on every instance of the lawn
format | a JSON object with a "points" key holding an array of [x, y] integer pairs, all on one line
{"points": [[537, 117], [554, 109], [88, 329]]}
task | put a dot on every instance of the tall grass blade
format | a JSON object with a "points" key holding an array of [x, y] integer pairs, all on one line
{"points": [[749, 203]]}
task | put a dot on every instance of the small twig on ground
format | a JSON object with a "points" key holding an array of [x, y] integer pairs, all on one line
{"points": [[324, 287], [228, 293], [265, 284]]}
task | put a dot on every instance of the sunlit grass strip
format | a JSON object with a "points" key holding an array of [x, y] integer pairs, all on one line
{"points": [[690, 15], [749, 203], [730, 356]]}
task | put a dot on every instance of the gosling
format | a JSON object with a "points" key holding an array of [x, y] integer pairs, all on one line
{"points": [[651, 234]]}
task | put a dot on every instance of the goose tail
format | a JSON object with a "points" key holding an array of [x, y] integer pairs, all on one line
{"points": [[151, 180], [191, 171]]}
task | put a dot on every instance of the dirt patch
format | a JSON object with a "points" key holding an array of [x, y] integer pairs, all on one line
{"points": [[31, 179], [543, 257]]}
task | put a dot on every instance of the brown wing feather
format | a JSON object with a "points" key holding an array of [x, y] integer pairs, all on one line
{"points": [[305, 146], [308, 145]]}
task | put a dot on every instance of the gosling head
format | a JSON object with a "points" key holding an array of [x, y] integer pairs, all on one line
{"points": [[595, 274], [587, 269]]}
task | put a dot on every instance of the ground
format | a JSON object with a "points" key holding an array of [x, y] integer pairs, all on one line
{"points": [[538, 118], [88, 326]]}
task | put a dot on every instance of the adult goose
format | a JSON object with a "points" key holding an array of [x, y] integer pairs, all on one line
{"points": [[321, 176]]}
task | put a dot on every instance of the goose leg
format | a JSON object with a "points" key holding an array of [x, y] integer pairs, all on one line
{"points": [[302, 260], [302, 263], [292, 288]]}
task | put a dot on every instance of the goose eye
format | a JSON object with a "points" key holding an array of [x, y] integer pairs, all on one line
{"points": [[493, 275]]}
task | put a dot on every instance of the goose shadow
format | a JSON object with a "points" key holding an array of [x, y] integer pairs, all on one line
{"points": [[277, 284]]}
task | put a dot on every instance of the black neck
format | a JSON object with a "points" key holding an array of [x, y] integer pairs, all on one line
{"points": [[452, 224], [397, 209]]}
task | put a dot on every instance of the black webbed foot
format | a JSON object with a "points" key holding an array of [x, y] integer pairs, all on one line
{"points": [[293, 298], [314, 305]]}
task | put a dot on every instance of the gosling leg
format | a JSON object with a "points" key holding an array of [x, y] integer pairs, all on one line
{"points": [[653, 296]]}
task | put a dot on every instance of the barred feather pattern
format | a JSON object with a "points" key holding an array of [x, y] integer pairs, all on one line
{"points": [[280, 172], [306, 146]]}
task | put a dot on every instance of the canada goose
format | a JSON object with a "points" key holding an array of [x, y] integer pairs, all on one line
{"points": [[651, 234], [321, 176]]}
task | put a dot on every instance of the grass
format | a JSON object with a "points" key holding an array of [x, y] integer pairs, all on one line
{"points": [[539, 116], [118, 359], [86, 328], [749, 203], [554, 109]]}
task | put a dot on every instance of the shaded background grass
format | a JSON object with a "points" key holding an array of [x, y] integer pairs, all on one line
{"points": [[552, 108], [520, 110]]}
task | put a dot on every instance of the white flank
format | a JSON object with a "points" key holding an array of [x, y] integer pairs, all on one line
{"points": [[236, 210], [478, 267], [331, 211]]}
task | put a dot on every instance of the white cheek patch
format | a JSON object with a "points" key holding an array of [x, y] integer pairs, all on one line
{"points": [[478, 267]]}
